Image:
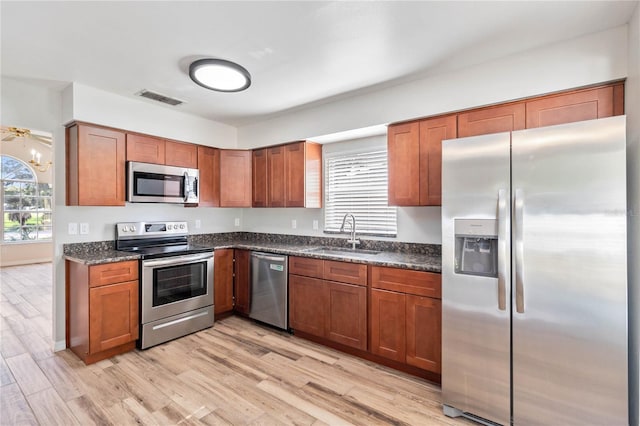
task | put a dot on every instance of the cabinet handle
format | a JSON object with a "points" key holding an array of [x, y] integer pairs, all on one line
{"points": [[503, 237], [518, 224]]}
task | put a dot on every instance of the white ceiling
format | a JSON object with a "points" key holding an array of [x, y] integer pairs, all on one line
{"points": [[298, 53]]}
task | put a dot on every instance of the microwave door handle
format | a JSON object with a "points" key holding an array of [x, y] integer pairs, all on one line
{"points": [[187, 188]]}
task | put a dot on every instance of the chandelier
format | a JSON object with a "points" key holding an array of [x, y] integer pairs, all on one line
{"points": [[12, 133]]}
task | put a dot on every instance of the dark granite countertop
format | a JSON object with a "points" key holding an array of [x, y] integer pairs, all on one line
{"points": [[420, 257]]}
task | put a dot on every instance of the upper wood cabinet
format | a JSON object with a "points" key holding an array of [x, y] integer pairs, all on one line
{"points": [[415, 150], [579, 105], [150, 149], [288, 176], [260, 188], [146, 149], [496, 119], [181, 154], [95, 173], [235, 178], [209, 181]]}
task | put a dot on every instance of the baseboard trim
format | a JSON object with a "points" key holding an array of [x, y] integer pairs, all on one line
{"points": [[27, 262], [60, 345]]}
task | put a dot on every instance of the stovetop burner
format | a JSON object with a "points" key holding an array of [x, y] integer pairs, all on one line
{"points": [[155, 239]]}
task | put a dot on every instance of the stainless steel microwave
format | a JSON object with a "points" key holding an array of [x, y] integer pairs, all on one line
{"points": [[156, 183]]}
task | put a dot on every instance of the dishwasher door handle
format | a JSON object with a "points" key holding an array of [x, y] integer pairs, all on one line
{"points": [[268, 257]]}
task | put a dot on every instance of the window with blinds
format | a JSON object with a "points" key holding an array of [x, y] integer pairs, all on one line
{"points": [[357, 183]]}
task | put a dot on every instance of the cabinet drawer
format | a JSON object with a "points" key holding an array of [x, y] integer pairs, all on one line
{"points": [[406, 281], [352, 273], [111, 273], [305, 266]]}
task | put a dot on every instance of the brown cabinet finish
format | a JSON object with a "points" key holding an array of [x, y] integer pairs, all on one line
{"points": [[102, 309], [146, 149], [90, 182], [308, 302], [570, 107], [113, 316], [496, 119], [260, 181], [424, 332], [276, 170], [223, 281], [432, 133], [306, 266], [235, 178], [181, 154], [242, 271], [352, 273], [303, 175], [388, 324], [209, 181], [406, 281], [403, 150], [347, 319]]}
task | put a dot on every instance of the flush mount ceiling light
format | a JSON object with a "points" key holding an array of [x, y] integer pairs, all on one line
{"points": [[219, 75]]}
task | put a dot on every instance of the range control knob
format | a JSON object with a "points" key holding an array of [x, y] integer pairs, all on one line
{"points": [[182, 226], [133, 229], [169, 227]]}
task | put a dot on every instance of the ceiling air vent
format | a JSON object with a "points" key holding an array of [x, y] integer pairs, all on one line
{"points": [[158, 97]]}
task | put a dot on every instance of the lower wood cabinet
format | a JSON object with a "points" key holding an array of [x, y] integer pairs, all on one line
{"points": [[102, 309], [406, 327], [329, 309], [241, 271], [223, 281]]}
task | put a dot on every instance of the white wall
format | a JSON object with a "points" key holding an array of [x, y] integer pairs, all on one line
{"points": [[632, 109]]}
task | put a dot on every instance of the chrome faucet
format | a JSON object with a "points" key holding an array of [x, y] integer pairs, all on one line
{"points": [[353, 240]]}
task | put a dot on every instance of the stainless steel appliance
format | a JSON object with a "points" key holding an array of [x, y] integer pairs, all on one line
{"points": [[534, 276], [176, 285], [268, 293], [156, 183]]}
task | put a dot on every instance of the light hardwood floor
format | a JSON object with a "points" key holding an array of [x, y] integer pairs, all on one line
{"points": [[235, 373]]}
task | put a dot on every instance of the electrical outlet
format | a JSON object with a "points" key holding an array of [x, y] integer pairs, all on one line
{"points": [[84, 228], [236, 222], [73, 228], [315, 225], [198, 224], [294, 224]]}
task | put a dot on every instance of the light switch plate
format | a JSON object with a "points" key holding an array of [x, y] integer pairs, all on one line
{"points": [[73, 228], [84, 228], [198, 224], [315, 225], [236, 222], [294, 224]]}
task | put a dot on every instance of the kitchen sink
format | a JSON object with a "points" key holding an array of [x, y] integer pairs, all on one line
{"points": [[341, 251]]}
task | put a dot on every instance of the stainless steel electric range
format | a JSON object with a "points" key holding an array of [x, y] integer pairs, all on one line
{"points": [[176, 286]]}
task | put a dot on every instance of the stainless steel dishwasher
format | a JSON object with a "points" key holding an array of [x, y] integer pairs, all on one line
{"points": [[269, 291]]}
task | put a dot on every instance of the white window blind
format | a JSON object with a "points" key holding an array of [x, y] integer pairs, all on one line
{"points": [[357, 183]]}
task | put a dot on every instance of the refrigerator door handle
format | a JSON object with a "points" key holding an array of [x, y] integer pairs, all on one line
{"points": [[519, 249], [502, 249]]}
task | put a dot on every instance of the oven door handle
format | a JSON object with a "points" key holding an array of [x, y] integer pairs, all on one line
{"points": [[177, 260]]}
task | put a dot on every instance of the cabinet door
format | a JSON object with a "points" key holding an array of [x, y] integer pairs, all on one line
{"points": [[260, 179], [432, 133], [223, 280], [570, 107], [209, 182], [295, 174], [313, 175], [113, 315], [276, 176], [347, 319], [502, 118], [403, 150], [241, 281], [308, 301], [346, 272], [181, 154], [235, 178], [424, 329], [146, 149], [91, 182], [388, 328]]}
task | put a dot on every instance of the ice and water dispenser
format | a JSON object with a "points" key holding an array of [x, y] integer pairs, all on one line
{"points": [[476, 247]]}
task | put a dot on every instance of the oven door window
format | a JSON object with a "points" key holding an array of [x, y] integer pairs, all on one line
{"points": [[158, 185], [180, 282]]}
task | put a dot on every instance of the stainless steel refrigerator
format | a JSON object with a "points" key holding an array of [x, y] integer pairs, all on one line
{"points": [[534, 275]]}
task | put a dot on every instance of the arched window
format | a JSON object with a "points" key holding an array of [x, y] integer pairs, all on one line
{"points": [[26, 204]]}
